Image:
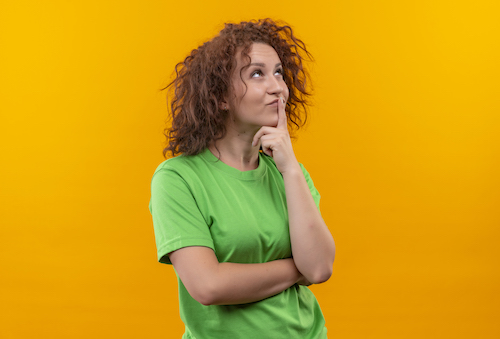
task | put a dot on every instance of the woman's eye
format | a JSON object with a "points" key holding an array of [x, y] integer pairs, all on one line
{"points": [[256, 74], [279, 71]]}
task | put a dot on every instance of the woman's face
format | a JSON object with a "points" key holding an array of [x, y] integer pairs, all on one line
{"points": [[254, 100]]}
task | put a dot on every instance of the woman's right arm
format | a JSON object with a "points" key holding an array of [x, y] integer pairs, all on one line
{"points": [[176, 216], [212, 283]]}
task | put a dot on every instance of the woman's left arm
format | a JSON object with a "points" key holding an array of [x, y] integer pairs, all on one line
{"points": [[313, 247]]}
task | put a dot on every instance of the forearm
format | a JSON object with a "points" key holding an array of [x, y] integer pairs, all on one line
{"points": [[313, 247], [244, 283], [212, 283]]}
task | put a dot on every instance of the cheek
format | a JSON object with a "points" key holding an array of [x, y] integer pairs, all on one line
{"points": [[255, 93]]}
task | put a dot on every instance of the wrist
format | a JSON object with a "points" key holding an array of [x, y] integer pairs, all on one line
{"points": [[293, 171]]}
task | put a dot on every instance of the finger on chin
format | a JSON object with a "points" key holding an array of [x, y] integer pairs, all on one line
{"points": [[281, 114]]}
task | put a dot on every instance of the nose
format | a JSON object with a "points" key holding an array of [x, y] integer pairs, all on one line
{"points": [[275, 86]]}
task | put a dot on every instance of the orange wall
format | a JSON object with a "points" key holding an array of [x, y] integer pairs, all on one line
{"points": [[403, 145]]}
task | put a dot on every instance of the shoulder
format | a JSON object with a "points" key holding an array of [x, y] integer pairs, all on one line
{"points": [[178, 163], [181, 171], [183, 165]]}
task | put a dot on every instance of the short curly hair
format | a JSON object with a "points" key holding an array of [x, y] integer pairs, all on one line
{"points": [[203, 80]]}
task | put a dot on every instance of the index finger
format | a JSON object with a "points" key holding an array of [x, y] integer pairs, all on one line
{"points": [[282, 120]]}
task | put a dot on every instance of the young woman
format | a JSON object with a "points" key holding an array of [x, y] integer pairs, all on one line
{"points": [[235, 213]]}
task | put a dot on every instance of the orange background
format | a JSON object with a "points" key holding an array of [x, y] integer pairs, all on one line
{"points": [[403, 144]]}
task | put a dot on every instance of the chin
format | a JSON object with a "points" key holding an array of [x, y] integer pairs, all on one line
{"points": [[271, 123]]}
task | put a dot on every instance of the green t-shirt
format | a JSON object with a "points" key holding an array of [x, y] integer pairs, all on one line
{"points": [[200, 201]]}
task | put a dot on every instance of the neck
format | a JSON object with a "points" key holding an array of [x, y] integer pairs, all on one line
{"points": [[236, 150]]}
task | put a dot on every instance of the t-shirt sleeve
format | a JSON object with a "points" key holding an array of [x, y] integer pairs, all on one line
{"points": [[314, 192], [177, 219]]}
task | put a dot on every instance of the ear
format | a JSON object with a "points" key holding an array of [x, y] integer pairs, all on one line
{"points": [[224, 105]]}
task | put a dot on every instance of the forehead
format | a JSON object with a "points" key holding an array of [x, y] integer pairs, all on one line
{"points": [[259, 53]]}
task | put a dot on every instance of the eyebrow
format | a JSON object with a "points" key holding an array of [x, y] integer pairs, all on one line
{"points": [[263, 65]]}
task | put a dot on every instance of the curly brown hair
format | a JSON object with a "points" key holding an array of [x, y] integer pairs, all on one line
{"points": [[203, 80]]}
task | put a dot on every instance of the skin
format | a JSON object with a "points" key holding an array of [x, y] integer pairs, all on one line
{"points": [[252, 104], [258, 118]]}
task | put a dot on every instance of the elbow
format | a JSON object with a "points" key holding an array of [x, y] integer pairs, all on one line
{"points": [[204, 294], [321, 276], [206, 301], [204, 297], [324, 273]]}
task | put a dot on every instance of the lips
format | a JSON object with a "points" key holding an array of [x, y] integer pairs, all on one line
{"points": [[274, 102]]}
